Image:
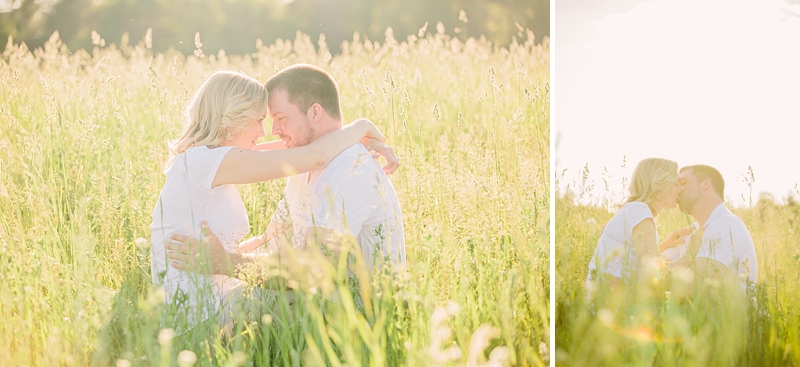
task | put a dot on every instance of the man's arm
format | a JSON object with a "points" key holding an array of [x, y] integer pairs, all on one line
{"points": [[349, 196], [330, 242], [208, 255], [712, 256], [710, 269], [277, 234], [703, 258], [190, 254]]}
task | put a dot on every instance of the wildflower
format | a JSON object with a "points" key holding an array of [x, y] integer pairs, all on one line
{"points": [[186, 358], [197, 42], [479, 341], [165, 336], [97, 40], [440, 28], [462, 16], [544, 352], [198, 52], [605, 316], [237, 359], [441, 333], [140, 242], [148, 39], [422, 30], [499, 356]]}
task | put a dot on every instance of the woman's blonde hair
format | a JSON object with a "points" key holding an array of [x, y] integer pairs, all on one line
{"points": [[651, 180], [224, 105]]}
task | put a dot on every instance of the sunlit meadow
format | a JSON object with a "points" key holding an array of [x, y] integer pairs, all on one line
{"points": [[676, 319], [83, 141]]}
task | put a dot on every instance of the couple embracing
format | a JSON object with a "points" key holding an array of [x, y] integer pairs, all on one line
{"points": [[337, 191], [717, 248]]}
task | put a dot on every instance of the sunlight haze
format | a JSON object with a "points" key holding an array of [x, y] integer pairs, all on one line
{"points": [[698, 82]]}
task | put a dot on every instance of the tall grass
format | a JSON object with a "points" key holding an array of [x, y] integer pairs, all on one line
{"points": [[677, 319], [83, 143]]}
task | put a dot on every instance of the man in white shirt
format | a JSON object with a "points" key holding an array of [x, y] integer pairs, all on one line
{"points": [[727, 250], [352, 196]]}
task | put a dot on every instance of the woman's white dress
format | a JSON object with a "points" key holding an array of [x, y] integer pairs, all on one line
{"points": [[184, 202]]}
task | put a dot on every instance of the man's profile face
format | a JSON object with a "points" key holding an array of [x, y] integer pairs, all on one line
{"points": [[291, 124], [690, 192]]}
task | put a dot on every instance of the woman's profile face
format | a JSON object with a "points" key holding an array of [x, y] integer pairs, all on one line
{"points": [[247, 138]]}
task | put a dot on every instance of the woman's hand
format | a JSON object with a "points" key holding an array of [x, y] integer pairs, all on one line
{"points": [[675, 238], [372, 130], [189, 254], [377, 149]]}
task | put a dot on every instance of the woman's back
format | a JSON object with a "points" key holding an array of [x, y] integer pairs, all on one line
{"points": [[184, 202]]}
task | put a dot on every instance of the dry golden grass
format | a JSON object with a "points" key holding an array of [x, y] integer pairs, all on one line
{"points": [[654, 325], [83, 140]]}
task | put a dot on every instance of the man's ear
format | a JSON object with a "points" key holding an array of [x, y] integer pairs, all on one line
{"points": [[315, 112], [706, 184]]}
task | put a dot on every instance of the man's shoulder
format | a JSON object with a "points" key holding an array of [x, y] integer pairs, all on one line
{"points": [[352, 161], [728, 220], [728, 227]]}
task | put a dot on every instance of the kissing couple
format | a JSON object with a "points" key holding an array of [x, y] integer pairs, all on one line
{"points": [[716, 248]]}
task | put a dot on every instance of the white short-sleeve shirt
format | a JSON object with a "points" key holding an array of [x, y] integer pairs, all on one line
{"points": [[184, 202], [727, 240], [615, 254], [352, 195]]}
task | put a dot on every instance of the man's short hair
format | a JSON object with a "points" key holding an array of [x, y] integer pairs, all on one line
{"points": [[305, 85], [703, 172]]}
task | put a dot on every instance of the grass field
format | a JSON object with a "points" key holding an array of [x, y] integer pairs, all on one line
{"points": [[82, 146], [663, 323]]}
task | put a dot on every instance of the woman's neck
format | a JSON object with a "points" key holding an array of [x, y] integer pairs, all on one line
{"points": [[655, 208]]}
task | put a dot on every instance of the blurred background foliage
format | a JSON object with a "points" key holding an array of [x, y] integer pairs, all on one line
{"points": [[236, 25]]}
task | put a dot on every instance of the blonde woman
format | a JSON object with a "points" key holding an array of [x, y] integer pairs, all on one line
{"points": [[630, 237], [224, 120]]}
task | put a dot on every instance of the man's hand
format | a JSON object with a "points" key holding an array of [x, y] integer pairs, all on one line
{"points": [[252, 244], [377, 149], [189, 254]]}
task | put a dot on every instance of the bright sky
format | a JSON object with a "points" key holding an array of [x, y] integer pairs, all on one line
{"points": [[712, 82]]}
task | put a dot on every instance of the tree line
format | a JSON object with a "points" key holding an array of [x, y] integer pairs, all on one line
{"points": [[235, 25]]}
